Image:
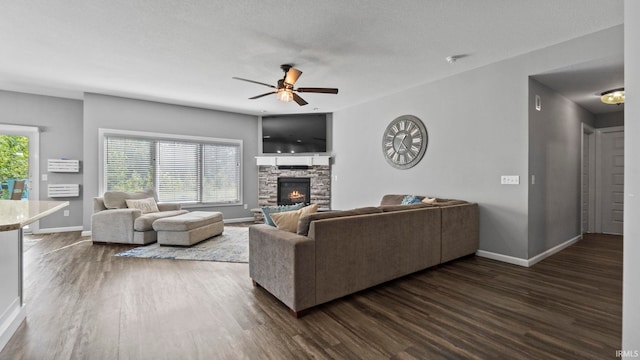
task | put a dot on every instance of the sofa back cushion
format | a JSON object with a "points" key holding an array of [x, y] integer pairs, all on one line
{"points": [[117, 199], [305, 221]]}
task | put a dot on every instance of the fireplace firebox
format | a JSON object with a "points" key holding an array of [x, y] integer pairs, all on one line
{"points": [[293, 190]]}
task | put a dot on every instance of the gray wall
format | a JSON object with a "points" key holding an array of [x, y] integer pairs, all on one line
{"points": [[110, 112], [631, 280], [610, 119], [478, 130], [555, 134], [60, 124]]}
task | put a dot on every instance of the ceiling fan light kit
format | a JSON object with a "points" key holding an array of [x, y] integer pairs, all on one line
{"points": [[613, 97], [285, 91]]}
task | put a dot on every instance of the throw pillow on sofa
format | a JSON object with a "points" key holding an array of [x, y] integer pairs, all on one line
{"points": [[268, 210], [410, 199], [288, 220], [147, 205]]}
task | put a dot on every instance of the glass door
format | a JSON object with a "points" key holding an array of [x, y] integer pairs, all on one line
{"points": [[14, 167], [19, 164]]}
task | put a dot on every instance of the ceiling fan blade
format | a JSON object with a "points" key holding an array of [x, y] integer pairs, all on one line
{"points": [[265, 94], [299, 100], [292, 76], [255, 82], [317, 90]]}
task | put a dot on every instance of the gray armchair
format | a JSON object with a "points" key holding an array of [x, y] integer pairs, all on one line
{"points": [[113, 222]]}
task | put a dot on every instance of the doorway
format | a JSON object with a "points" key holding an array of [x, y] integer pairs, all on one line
{"points": [[19, 156], [602, 205]]}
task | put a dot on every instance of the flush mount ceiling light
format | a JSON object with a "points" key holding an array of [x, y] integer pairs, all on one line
{"points": [[613, 97]]}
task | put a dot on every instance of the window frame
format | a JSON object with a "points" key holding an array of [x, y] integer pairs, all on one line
{"points": [[103, 133]]}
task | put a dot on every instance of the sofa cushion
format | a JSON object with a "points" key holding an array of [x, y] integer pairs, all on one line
{"points": [[391, 199], [305, 221], [288, 220], [268, 210], [116, 199], [389, 208], [145, 222], [189, 221], [147, 205]]}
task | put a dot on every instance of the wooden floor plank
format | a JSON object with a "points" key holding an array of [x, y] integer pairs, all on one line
{"points": [[85, 303]]}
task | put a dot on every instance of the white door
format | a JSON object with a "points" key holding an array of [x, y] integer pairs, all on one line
{"points": [[610, 153]]}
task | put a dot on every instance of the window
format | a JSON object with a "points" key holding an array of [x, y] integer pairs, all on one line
{"points": [[187, 169]]}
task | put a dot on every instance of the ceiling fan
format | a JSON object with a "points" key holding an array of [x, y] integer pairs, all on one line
{"points": [[285, 90]]}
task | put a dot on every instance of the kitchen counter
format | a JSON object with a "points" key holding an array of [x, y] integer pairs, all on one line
{"points": [[14, 215]]}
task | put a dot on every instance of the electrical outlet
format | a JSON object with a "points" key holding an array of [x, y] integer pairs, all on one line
{"points": [[44, 177], [246, 206], [66, 213], [510, 179]]}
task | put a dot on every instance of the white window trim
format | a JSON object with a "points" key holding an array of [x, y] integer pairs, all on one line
{"points": [[102, 132]]}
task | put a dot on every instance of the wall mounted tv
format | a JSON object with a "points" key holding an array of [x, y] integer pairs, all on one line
{"points": [[294, 134]]}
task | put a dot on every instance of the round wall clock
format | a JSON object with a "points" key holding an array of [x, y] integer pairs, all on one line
{"points": [[404, 142]]}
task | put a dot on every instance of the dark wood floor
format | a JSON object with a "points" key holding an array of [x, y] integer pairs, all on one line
{"points": [[83, 303]]}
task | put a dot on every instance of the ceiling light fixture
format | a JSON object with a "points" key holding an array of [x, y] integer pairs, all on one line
{"points": [[613, 97], [285, 95]]}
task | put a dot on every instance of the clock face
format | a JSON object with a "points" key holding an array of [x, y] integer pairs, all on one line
{"points": [[404, 142]]}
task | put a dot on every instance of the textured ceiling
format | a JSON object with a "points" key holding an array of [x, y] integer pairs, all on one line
{"points": [[186, 52]]}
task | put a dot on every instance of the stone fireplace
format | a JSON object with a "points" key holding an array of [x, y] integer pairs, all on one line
{"points": [[318, 176]]}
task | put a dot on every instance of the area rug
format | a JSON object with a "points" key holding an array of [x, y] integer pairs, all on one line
{"points": [[231, 246]]}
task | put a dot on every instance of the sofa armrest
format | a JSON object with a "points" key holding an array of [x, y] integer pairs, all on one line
{"points": [[169, 206], [460, 231], [114, 224], [283, 263], [98, 204]]}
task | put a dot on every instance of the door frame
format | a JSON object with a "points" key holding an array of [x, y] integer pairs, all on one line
{"points": [[599, 133], [590, 132], [33, 133]]}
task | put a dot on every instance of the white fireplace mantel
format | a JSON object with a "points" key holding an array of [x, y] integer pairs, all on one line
{"points": [[315, 160]]}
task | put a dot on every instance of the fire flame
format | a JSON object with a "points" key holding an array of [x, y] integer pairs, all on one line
{"points": [[295, 195]]}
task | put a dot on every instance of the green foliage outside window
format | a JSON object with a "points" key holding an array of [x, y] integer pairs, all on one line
{"points": [[14, 160]]}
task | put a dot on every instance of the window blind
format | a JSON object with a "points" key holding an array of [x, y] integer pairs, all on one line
{"points": [[221, 173], [179, 171], [128, 163]]}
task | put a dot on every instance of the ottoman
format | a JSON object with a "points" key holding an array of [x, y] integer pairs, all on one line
{"points": [[188, 229]]}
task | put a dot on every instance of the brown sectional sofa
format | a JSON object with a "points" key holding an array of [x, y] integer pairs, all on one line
{"points": [[337, 253]]}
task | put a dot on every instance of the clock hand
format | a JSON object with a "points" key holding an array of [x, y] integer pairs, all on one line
{"points": [[402, 143]]}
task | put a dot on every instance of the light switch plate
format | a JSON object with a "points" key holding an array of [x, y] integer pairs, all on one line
{"points": [[510, 179]]}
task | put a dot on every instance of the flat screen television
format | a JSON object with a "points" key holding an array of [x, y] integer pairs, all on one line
{"points": [[294, 134]]}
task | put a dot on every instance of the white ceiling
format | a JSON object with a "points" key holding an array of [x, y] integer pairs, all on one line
{"points": [[186, 52]]}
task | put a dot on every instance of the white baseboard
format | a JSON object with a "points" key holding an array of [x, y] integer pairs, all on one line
{"points": [[10, 320], [553, 250], [504, 258], [530, 262], [58, 230], [86, 233]]}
